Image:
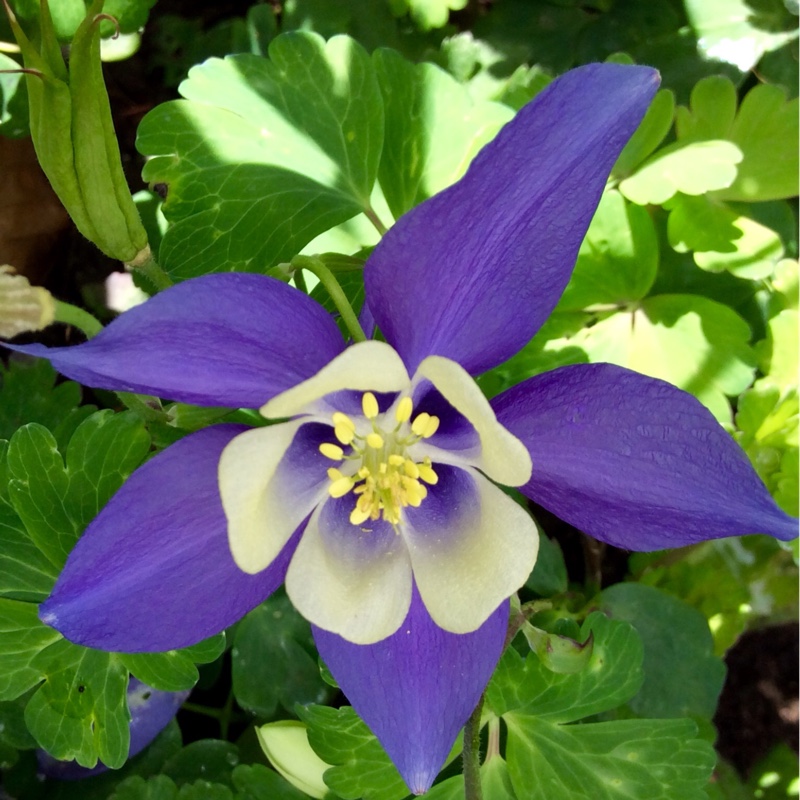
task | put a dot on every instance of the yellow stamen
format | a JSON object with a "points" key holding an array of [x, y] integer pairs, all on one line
{"points": [[344, 433], [410, 468], [403, 411], [375, 440], [343, 419], [420, 423], [369, 404], [340, 487], [358, 515], [431, 427], [387, 480], [331, 451], [427, 474]]}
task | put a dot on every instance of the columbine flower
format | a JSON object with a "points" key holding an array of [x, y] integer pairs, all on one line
{"points": [[376, 499]]}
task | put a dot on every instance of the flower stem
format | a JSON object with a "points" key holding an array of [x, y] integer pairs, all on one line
{"points": [[146, 265], [78, 318], [328, 280], [370, 214], [471, 755]]}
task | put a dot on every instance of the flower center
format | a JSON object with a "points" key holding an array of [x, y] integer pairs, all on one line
{"points": [[386, 480]]}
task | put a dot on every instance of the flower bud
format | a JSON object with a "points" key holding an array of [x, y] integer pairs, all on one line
{"points": [[73, 133], [286, 745], [23, 307]]}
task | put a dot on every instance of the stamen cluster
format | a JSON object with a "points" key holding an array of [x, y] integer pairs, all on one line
{"points": [[387, 480]]}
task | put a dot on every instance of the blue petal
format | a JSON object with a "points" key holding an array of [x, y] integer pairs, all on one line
{"points": [[154, 570], [417, 688], [634, 461], [473, 272], [220, 340]]}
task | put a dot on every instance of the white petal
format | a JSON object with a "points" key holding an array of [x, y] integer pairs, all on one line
{"points": [[352, 580], [365, 366], [262, 497], [501, 456], [471, 547]]}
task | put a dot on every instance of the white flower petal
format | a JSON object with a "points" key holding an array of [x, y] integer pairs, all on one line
{"points": [[471, 547], [266, 495], [501, 456], [349, 579], [365, 366]]}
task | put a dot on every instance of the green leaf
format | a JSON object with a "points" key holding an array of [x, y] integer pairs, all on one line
{"points": [[682, 676], [264, 155], [612, 676], [256, 782], [55, 501], [174, 670], [495, 782], [695, 343], [711, 111], [159, 787], [427, 14], [14, 114], [652, 130], [38, 489], [779, 356], [740, 32], [22, 638], [618, 259], [549, 575], [272, 660], [28, 394], [722, 239], [765, 130], [626, 760], [25, 573], [80, 711], [362, 767], [693, 168], [103, 451], [210, 760], [433, 129]]}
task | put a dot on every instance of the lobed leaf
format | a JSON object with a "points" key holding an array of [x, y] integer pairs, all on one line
{"points": [[361, 767], [264, 155], [612, 676], [627, 760]]}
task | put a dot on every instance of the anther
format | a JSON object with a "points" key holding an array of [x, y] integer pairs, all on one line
{"points": [[427, 474], [369, 405], [331, 451], [375, 441], [340, 487], [403, 411]]}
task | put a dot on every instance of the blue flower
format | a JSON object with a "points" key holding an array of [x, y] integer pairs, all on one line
{"points": [[375, 499]]}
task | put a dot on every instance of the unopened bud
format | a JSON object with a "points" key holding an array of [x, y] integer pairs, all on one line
{"points": [[23, 307], [286, 745]]}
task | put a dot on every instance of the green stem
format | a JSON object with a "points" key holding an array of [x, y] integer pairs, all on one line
{"points": [[328, 280], [78, 318], [370, 214], [206, 711], [471, 755], [300, 281], [145, 264], [225, 718]]}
